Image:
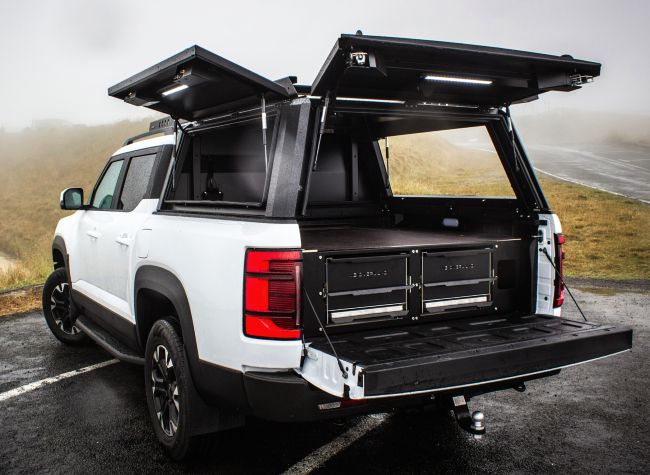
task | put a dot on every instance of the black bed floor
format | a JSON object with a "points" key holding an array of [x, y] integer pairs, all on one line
{"points": [[354, 238]]}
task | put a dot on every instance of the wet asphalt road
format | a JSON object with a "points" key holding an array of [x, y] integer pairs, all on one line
{"points": [[622, 169], [590, 419]]}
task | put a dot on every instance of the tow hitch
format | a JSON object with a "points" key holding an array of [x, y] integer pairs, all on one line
{"points": [[474, 423]]}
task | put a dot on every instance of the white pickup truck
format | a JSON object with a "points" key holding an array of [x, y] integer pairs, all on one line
{"points": [[265, 251]]}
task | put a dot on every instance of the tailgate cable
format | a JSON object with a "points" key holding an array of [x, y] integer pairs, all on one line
{"points": [[557, 272], [344, 372]]}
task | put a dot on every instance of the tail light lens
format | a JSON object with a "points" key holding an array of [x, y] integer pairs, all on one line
{"points": [[558, 298], [272, 286]]}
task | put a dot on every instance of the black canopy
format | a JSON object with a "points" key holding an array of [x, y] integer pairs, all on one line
{"points": [[196, 83], [419, 70]]}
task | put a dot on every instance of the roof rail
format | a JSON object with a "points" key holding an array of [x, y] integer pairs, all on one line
{"points": [[163, 126]]}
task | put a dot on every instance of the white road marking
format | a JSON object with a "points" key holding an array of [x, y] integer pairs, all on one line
{"points": [[44, 382], [578, 182], [321, 455]]}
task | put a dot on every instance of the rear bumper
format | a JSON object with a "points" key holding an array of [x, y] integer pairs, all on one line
{"points": [[287, 397]]}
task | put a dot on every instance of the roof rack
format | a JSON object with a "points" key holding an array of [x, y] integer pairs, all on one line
{"points": [[163, 126]]}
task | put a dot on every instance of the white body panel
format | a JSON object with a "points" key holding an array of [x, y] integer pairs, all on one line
{"points": [[207, 256], [545, 271], [107, 248]]}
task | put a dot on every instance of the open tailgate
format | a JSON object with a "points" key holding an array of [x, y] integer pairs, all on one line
{"points": [[374, 67], [456, 354]]}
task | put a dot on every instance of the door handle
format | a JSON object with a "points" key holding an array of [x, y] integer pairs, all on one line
{"points": [[94, 234], [123, 240]]}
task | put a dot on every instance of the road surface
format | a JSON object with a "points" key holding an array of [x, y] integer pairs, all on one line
{"points": [[592, 418], [619, 169]]}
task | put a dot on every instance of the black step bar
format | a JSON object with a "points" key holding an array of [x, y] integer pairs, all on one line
{"points": [[107, 342]]}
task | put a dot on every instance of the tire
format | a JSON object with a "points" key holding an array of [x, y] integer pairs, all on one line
{"points": [[168, 393], [58, 309]]}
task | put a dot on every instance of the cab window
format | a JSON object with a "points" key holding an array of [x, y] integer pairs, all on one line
{"points": [[103, 197], [136, 181]]}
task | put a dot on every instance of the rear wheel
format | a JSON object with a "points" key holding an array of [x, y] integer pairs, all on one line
{"points": [[58, 309], [167, 386]]}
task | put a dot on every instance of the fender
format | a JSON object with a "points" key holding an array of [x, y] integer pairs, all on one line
{"points": [[58, 245], [216, 384]]}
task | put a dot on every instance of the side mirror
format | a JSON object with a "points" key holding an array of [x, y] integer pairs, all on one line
{"points": [[72, 198]]}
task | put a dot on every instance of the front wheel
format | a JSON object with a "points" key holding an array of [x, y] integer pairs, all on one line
{"points": [[58, 309], [167, 387]]}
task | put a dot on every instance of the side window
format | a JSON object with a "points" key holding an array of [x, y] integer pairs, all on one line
{"points": [[225, 164], [103, 198], [136, 181]]}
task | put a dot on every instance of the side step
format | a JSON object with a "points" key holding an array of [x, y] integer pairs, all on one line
{"points": [[108, 342]]}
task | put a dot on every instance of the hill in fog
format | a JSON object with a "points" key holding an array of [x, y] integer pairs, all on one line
{"points": [[35, 165], [573, 126]]}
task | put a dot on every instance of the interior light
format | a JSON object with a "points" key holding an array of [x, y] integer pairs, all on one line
{"points": [[483, 82], [364, 99], [174, 90]]}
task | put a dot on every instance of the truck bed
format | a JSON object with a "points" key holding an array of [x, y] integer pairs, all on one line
{"points": [[360, 238]]}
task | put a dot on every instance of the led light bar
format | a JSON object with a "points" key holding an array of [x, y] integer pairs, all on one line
{"points": [[482, 82], [363, 99], [174, 90], [367, 311]]}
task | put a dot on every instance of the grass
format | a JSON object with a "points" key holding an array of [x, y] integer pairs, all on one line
{"points": [[606, 235]]}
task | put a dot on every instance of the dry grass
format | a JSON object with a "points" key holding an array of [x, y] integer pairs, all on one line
{"points": [[606, 234], [20, 301]]}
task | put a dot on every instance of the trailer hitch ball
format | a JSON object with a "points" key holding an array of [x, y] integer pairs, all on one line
{"points": [[478, 419]]}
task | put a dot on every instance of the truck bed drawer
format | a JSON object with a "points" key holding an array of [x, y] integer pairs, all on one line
{"points": [[452, 280], [370, 287], [457, 354]]}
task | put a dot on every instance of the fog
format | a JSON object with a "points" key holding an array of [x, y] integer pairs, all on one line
{"points": [[59, 57]]}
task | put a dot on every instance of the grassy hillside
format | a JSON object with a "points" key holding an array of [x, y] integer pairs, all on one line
{"points": [[35, 165], [606, 234]]}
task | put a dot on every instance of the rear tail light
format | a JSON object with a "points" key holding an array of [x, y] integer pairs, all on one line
{"points": [[558, 298], [272, 286]]}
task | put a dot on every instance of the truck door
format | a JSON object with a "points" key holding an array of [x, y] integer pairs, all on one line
{"points": [[131, 211], [88, 271], [108, 230]]}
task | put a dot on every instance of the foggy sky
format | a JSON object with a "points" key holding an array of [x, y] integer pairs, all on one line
{"points": [[57, 58]]}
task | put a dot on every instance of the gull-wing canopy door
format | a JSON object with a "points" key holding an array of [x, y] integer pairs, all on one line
{"points": [[373, 67], [196, 83]]}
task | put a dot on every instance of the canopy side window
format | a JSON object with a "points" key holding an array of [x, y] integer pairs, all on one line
{"points": [[225, 165]]}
